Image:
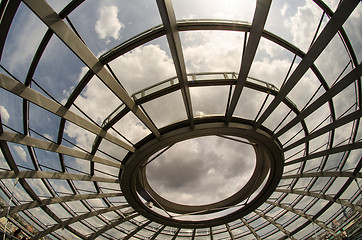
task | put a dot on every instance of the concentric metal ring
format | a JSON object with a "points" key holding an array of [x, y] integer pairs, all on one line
{"points": [[269, 168]]}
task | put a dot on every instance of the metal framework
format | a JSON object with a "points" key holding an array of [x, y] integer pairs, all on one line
{"points": [[306, 171]]}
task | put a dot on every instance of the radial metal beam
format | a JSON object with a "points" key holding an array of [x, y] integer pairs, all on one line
{"points": [[76, 233], [337, 195], [277, 225], [328, 95], [112, 225], [251, 229], [35, 97], [329, 31], [70, 38], [342, 148], [257, 27], [129, 235], [55, 175], [76, 219], [302, 214], [334, 125], [323, 174], [322, 196], [157, 233], [229, 231], [7, 15], [53, 147], [170, 26], [10, 160], [70, 8], [49, 201], [176, 233]]}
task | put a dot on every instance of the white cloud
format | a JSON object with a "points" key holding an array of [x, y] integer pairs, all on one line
{"points": [[108, 25], [205, 9], [48, 136], [5, 116], [304, 24], [142, 67], [21, 152], [284, 9], [212, 51], [193, 173], [83, 138]]}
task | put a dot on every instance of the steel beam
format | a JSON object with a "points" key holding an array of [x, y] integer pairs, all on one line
{"points": [[157, 233], [55, 175], [332, 27], [54, 200], [334, 125], [70, 38], [70, 7], [176, 233], [9, 9], [302, 214], [53, 147], [336, 196], [257, 27], [251, 229], [323, 174], [342, 148], [229, 231], [129, 235], [112, 225], [277, 225], [48, 104], [322, 196], [328, 95], [76, 219], [170, 26]]}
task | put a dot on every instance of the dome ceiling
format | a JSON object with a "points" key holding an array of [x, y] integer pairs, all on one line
{"points": [[180, 119]]}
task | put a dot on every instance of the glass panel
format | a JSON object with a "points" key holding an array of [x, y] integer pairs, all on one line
{"points": [[3, 164], [97, 100], [144, 66], [299, 21], [345, 101], [21, 156], [58, 70], [334, 55], [103, 24], [250, 102], [310, 84], [130, 127], [58, 5], [11, 109], [59, 211], [352, 28], [43, 124], [23, 39], [214, 9], [209, 100], [39, 187], [49, 161], [169, 113], [212, 51], [79, 136], [272, 62]]}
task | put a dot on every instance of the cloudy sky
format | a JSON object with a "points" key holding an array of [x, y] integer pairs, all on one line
{"points": [[191, 172]]}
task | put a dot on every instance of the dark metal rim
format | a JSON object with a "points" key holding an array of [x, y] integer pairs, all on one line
{"points": [[269, 157]]}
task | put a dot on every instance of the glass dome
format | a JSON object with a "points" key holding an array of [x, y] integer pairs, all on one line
{"points": [[173, 119]]}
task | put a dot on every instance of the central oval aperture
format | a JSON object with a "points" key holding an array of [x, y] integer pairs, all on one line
{"points": [[201, 170]]}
